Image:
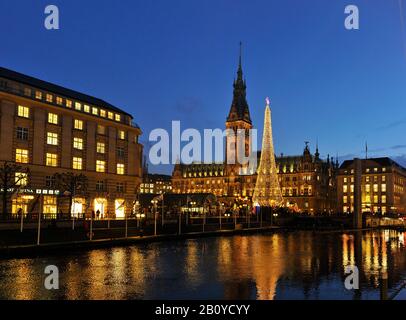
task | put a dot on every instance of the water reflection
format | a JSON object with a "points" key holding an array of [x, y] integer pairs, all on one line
{"points": [[295, 265]]}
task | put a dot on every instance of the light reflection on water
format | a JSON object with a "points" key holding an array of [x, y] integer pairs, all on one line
{"points": [[296, 265]]}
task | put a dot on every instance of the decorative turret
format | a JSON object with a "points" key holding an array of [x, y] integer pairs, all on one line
{"points": [[317, 154]]}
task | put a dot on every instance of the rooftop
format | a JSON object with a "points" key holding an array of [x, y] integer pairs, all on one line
{"points": [[56, 89], [383, 161]]}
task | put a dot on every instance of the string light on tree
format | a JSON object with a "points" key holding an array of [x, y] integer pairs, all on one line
{"points": [[267, 192]]}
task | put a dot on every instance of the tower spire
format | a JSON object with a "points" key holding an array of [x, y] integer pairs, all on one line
{"points": [[239, 109], [366, 149], [239, 72], [317, 154], [240, 62]]}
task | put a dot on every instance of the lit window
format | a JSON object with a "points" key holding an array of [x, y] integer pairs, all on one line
{"points": [[68, 103], [120, 208], [78, 143], [118, 117], [367, 188], [49, 97], [101, 147], [59, 100], [121, 134], [352, 188], [86, 108], [383, 169], [52, 138], [375, 199], [78, 124], [77, 163], [78, 106], [100, 166], [95, 111], [110, 115], [21, 179], [375, 169], [375, 187], [53, 118], [101, 129], [102, 113], [383, 187], [345, 188], [22, 155], [120, 168], [50, 205], [38, 95], [23, 112], [51, 160], [383, 199]]}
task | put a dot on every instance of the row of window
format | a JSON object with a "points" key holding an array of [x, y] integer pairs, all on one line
{"points": [[368, 170], [367, 199], [54, 119], [366, 179], [53, 139], [376, 209], [51, 160], [294, 192], [76, 104], [367, 188], [101, 185], [79, 205]]}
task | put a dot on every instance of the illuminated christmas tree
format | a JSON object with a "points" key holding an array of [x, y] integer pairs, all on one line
{"points": [[267, 192]]}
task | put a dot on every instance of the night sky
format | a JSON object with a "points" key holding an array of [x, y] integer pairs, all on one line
{"points": [[164, 60]]}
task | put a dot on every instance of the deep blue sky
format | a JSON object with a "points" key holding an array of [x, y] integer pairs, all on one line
{"points": [[166, 60]]}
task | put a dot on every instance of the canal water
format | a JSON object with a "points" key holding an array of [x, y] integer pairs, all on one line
{"points": [[284, 265]]}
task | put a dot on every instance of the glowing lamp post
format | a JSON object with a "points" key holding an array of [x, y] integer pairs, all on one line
{"points": [[154, 203]]}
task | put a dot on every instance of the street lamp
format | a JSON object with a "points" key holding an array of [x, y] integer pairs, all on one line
{"points": [[155, 202], [139, 216]]}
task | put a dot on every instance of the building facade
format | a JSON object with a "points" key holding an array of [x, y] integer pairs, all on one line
{"points": [[383, 186], [307, 182], [156, 184], [50, 129]]}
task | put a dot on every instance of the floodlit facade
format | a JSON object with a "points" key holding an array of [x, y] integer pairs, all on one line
{"points": [[306, 181], [50, 129], [383, 186]]}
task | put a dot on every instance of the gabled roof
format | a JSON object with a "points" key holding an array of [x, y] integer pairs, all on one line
{"points": [[56, 89]]}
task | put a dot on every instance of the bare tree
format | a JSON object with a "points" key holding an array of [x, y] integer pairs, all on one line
{"points": [[12, 178], [71, 185]]}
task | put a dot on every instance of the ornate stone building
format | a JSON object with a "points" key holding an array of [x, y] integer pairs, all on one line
{"points": [[383, 186], [307, 181], [51, 129]]}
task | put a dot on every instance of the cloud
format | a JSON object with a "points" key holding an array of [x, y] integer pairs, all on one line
{"points": [[392, 125], [399, 146]]}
